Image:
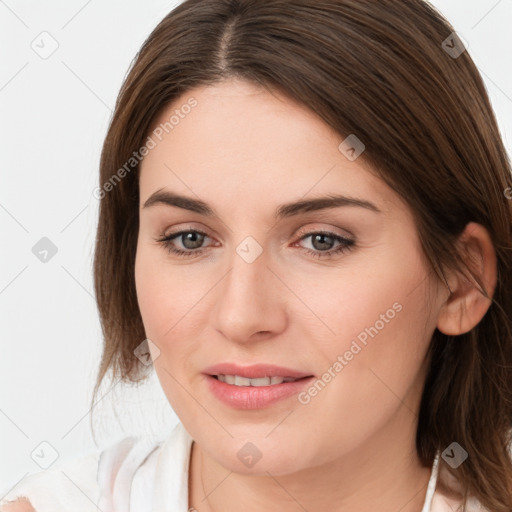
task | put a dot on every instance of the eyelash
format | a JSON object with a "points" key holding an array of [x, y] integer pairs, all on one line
{"points": [[346, 244]]}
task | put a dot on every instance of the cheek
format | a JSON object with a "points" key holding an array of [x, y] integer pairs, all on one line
{"points": [[164, 293], [150, 286], [383, 329], [363, 300], [164, 300], [169, 299], [377, 327]]}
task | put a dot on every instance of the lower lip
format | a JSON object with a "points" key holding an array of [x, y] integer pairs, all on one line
{"points": [[254, 397]]}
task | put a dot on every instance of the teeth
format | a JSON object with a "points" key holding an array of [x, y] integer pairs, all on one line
{"points": [[262, 381], [242, 381], [229, 379]]}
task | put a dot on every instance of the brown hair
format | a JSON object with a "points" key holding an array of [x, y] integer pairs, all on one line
{"points": [[379, 70]]}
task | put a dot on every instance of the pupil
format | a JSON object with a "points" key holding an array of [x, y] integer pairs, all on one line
{"points": [[189, 237]]}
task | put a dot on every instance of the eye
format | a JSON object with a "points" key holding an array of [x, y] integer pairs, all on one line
{"points": [[190, 239], [321, 240]]}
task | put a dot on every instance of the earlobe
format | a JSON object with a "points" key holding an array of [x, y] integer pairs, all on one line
{"points": [[465, 305]]}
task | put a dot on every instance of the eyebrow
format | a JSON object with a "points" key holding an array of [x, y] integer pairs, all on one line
{"points": [[285, 210]]}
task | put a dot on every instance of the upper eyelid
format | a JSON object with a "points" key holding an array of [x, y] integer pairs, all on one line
{"points": [[310, 231], [298, 232], [300, 235]]}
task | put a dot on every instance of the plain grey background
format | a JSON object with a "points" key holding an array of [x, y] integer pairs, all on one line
{"points": [[62, 66]]}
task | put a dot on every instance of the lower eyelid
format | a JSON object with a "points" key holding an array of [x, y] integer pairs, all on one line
{"points": [[168, 240]]}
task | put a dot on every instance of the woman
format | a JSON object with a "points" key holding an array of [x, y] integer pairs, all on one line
{"points": [[305, 225]]}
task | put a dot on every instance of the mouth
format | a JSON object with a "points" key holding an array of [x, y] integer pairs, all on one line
{"points": [[238, 380], [254, 374], [240, 392], [254, 386]]}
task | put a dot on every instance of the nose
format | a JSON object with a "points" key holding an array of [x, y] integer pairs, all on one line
{"points": [[250, 301]]}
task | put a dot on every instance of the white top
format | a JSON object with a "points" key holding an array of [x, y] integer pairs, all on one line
{"points": [[140, 475]]}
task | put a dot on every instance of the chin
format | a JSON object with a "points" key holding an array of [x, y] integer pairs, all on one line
{"points": [[258, 457]]}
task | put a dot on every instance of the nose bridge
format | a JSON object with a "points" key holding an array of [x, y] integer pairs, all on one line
{"points": [[247, 277], [246, 302]]}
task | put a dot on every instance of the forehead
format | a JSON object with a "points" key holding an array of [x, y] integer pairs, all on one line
{"points": [[241, 140]]}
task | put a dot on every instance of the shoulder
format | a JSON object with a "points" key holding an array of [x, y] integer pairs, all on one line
{"points": [[54, 488], [81, 484], [21, 505]]}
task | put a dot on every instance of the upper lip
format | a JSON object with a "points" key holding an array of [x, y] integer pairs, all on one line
{"points": [[255, 371]]}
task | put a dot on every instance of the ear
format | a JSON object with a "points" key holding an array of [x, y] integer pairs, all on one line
{"points": [[466, 305]]}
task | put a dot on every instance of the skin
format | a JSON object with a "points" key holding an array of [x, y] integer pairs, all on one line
{"points": [[244, 151]]}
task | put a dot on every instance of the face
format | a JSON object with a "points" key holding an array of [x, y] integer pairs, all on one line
{"points": [[342, 295]]}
